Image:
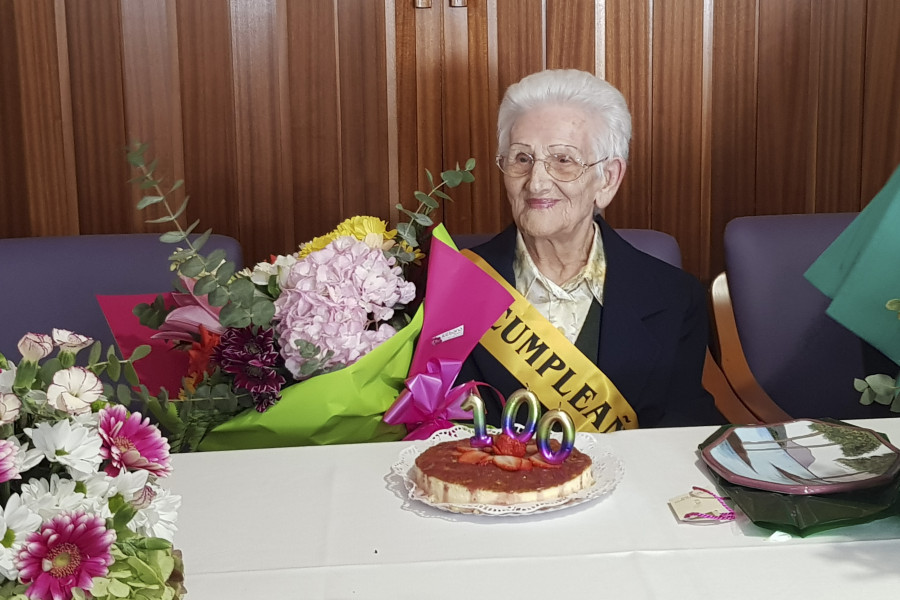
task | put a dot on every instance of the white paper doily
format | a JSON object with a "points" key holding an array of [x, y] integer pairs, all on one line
{"points": [[607, 471]]}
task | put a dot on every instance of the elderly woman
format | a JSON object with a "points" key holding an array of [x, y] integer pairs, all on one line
{"points": [[612, 335]]}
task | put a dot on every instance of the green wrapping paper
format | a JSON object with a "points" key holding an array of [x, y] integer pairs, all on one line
{"points": [[343, 407], [807, 514], [860, 272]]}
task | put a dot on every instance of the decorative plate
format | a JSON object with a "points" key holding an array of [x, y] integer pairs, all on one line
{"points": [[805, 456], [606, 469]]}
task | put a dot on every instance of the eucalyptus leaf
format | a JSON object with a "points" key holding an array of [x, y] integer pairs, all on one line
{"points": [[165, 219], [149, 201], [218, 297], [131, 375], [423, 220], [242, 291], [192, 267], [262, 312], [191, 227], [430, 177], [452, 178], [233, 315], [225, 272], [215, 257], [172, 237], [202, 239], [470, 164], [139, 352], [181, 209], [205, 285]]}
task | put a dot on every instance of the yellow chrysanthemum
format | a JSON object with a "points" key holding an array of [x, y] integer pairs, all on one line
{"points": [[419, 255], [371, 230]]}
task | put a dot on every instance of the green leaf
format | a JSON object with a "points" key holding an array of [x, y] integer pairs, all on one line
{"points": [[172, 237], [467, 177], [215, 257], [205, 285], [131, 375], [452, 178], [470, 164], [430, 178], [191, 227], [114, 368], [123, 392], [262, 312], [202, 239], [242, 291], [225, 272], [423, 220], [233, 315], [192, 267], [139, 352], [218, 297], [181, 209], [96, 349], [149, 201], [441, 194], [165, 219]]}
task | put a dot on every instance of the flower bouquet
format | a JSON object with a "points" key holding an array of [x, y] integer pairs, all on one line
{"points": [[309, 348], [81, 512]]}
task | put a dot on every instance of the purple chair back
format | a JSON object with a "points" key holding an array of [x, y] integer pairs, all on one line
{"points": [[52, 281], [655, 243], [803, 359]]}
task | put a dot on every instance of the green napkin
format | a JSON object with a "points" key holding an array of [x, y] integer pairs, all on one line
{"points": [[860, 272]]}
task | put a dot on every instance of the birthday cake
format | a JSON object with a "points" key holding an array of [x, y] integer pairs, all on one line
{"points": [[505, 473]]}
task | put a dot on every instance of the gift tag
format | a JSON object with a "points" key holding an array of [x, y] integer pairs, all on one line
{"points": [[701, 505], [451, 334]]}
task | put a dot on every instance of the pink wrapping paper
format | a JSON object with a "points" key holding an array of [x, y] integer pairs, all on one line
{"points": [[461, 303], [165, 365]]}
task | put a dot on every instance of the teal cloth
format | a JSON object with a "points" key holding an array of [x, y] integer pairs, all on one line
{"points": [[860, 272]]}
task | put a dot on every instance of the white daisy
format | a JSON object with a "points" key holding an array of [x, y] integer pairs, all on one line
{"points": [[70, 444], [100, 487], [16, 522], [26, 457], [50, 498], [157, 512]]}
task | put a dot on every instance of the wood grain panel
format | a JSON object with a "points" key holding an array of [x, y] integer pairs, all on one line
{"points": [[207, 106], [14, 198], [677, 126], [881, 121], [520, 40], [786, 123], [839, 117], [53, 208], [732, 121], [263, 184], [152, 92], [629, 67], [315, 118], [427, 100], [98, 115], [490, 211], [362, 73], [570, 34], [406, 53], [456, 114]]}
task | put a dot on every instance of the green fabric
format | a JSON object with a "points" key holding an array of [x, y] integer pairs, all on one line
{"points": [[860, 272]]}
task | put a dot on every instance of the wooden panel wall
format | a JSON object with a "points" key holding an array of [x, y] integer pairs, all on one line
{"points": [[286, 116]]}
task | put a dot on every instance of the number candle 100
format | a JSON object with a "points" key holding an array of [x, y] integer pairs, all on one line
{"points": [[543, 427]]}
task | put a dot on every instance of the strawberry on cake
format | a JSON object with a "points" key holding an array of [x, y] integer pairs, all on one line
{"points": [[505, 473]]}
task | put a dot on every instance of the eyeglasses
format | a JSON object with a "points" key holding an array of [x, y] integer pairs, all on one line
{"points": [[560, 163]]}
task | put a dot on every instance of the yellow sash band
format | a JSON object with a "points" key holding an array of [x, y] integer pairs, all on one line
{"points": [[544, 360]]}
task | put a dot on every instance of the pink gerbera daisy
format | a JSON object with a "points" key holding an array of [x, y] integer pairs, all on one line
{"points": [[132, 443], [68, 552]]}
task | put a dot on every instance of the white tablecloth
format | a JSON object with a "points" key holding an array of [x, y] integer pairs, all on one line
{"points": [[322, 522]]}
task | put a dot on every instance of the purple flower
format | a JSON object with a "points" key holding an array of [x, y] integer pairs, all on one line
{"points": [[251, 357]]}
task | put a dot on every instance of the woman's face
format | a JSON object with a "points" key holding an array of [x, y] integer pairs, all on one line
{"points": [[542, 207]]}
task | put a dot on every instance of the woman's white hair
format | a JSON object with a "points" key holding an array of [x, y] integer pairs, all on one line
{"points": [[610, 119]]}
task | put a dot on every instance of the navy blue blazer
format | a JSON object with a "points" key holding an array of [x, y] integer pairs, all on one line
{"points": [[652, 341]]}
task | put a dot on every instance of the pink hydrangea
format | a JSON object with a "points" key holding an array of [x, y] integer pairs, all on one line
{"points": [[131, 443], [338, 299], [68, 551]]}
